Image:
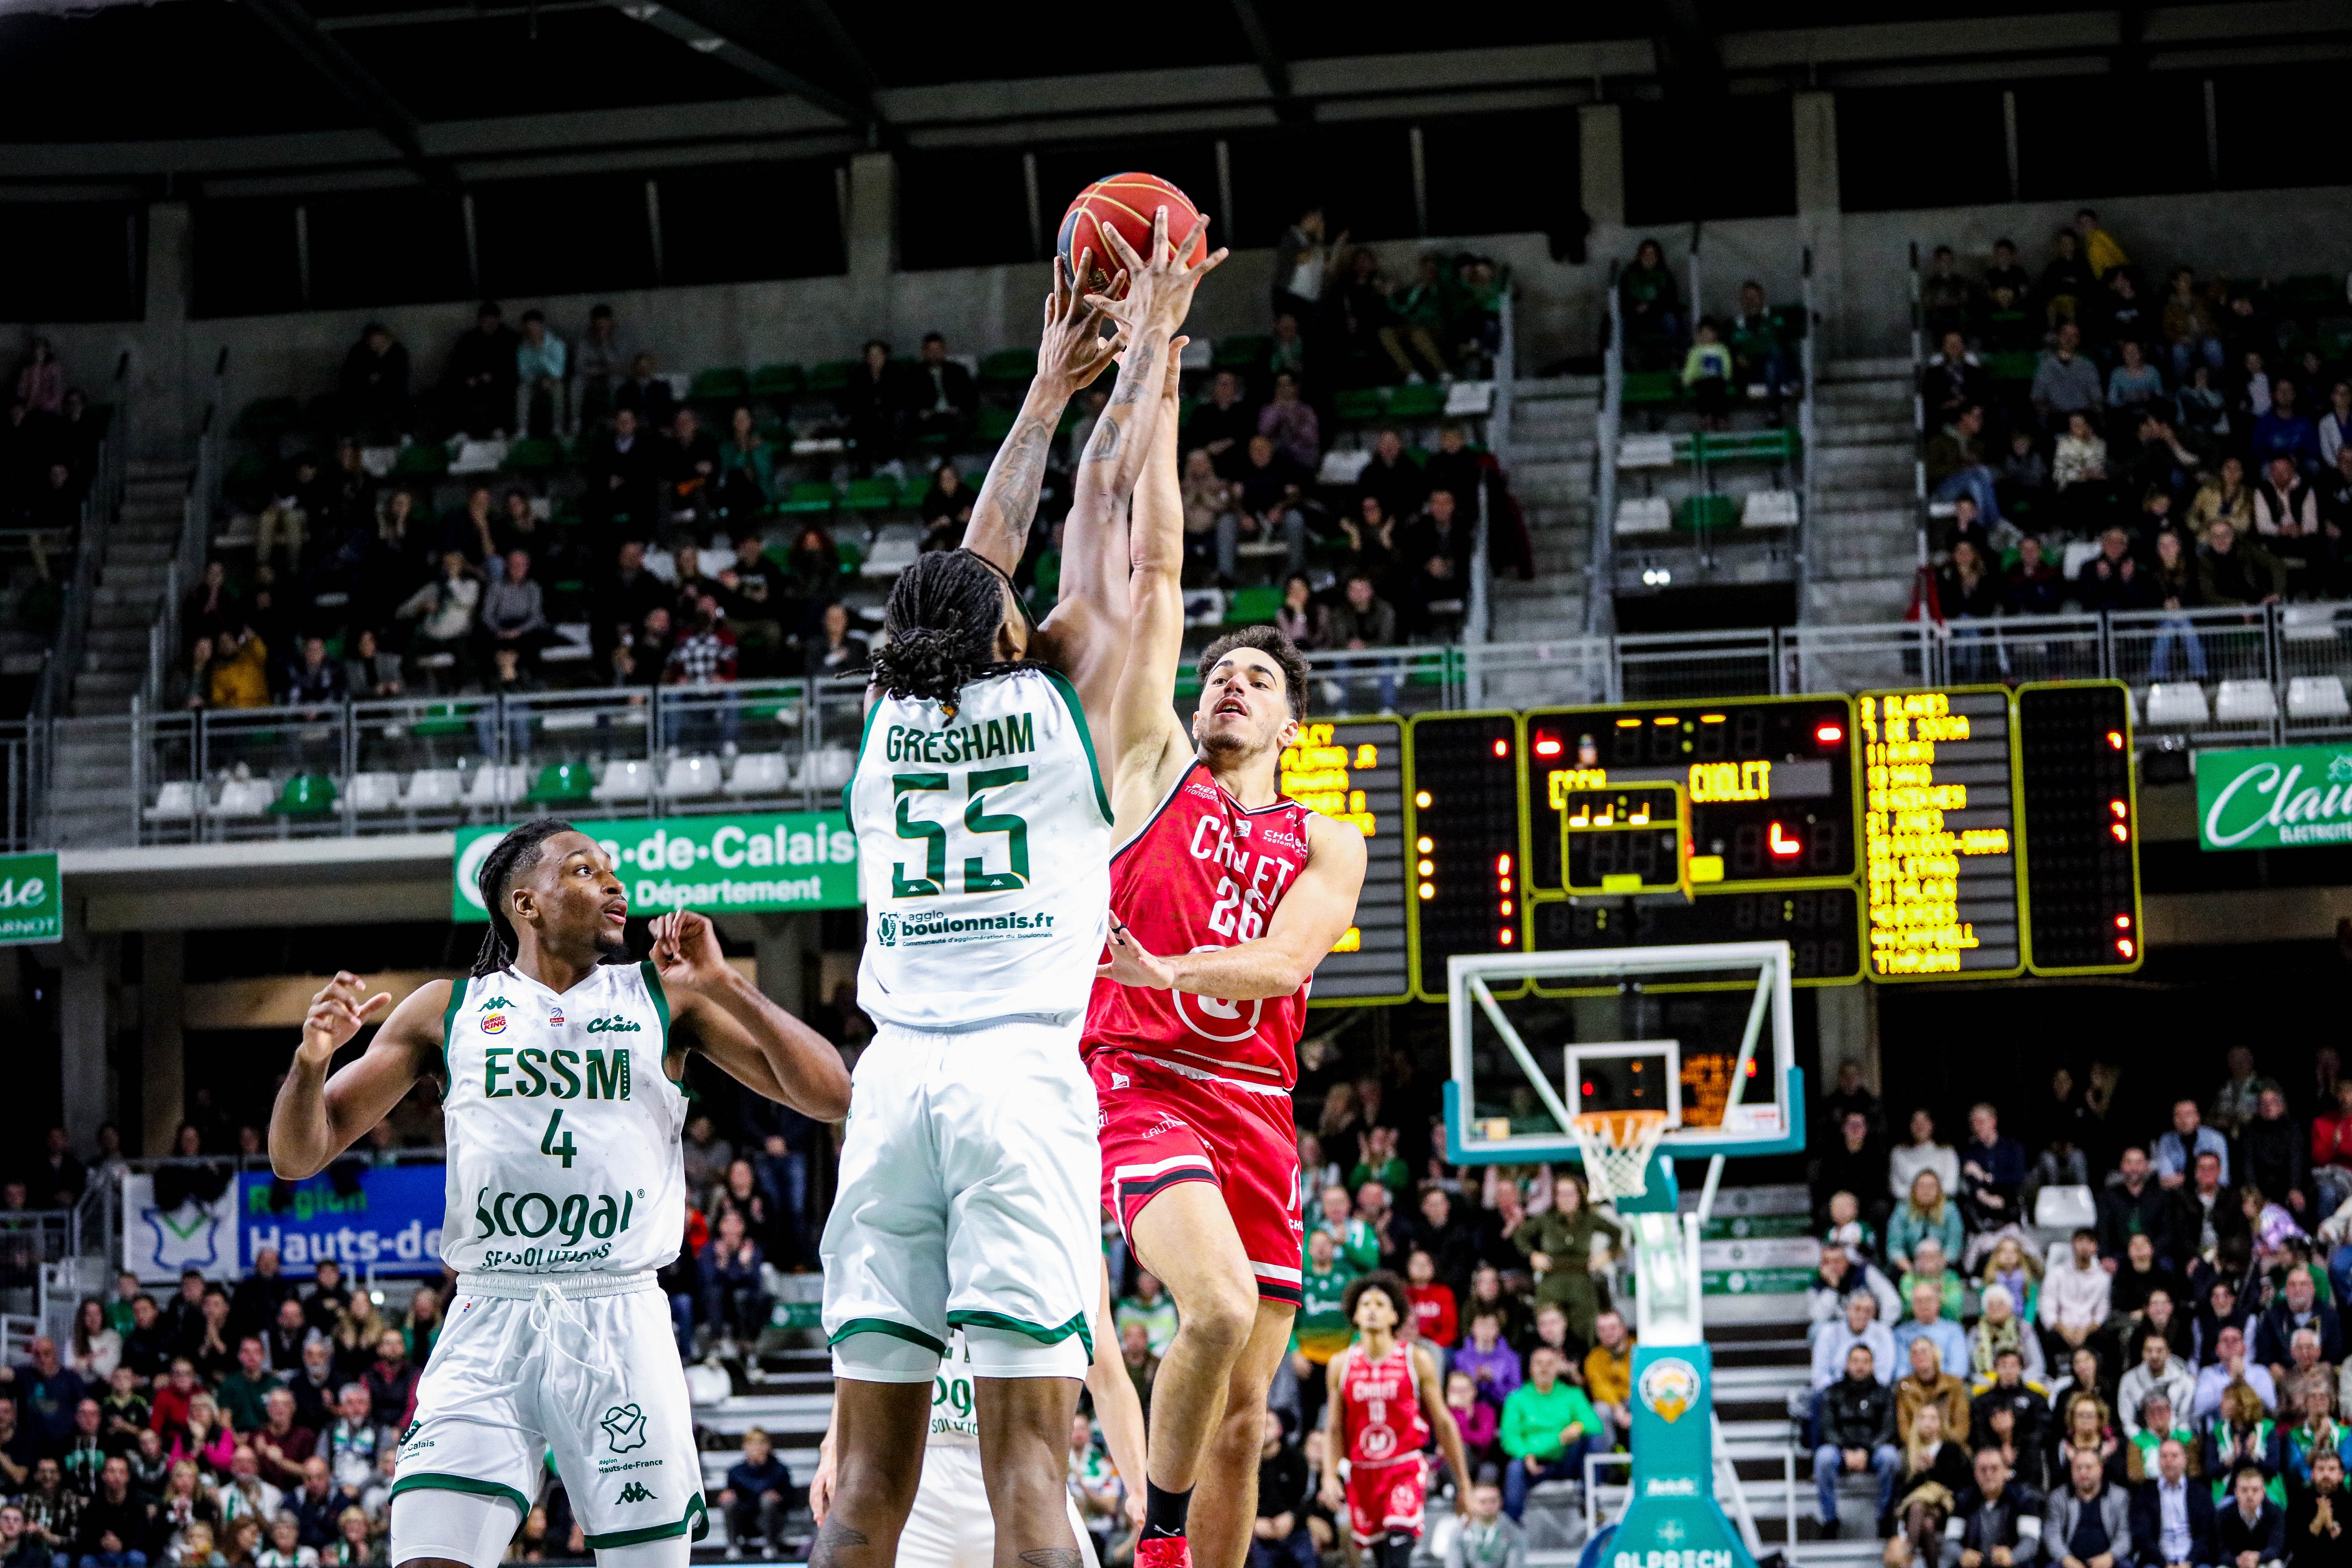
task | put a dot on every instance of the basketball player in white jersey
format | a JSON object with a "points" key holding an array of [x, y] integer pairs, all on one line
{"points": [[970, 1176], [566, 1191], [949, 1526]]}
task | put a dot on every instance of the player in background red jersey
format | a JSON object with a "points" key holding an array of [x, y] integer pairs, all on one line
{"points": [[1386, 1400], [1224, 896]]}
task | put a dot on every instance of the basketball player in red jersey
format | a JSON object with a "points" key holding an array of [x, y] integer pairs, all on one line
{"points": [[1224, 896], [1386, 1400]]}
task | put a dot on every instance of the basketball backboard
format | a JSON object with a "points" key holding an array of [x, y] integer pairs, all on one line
{"points": [[1718, 1059]]}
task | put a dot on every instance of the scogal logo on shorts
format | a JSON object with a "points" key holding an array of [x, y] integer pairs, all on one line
{"points": [[886, 929], [625, 1430], [1670, 1387]]}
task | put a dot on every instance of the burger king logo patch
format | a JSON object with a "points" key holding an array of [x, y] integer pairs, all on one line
{"points": [[496, 1024]]}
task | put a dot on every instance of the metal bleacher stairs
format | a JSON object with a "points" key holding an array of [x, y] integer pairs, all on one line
{"points": [[1550, 443], [1863, 542], [1757, 1259]]}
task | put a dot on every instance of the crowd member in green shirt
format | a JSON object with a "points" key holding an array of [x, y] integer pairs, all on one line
{"points": [[1321, 1330], [1547, 1424], [1378, 1161], [1645, 293], [1151, 1306], [1358, 1241]]}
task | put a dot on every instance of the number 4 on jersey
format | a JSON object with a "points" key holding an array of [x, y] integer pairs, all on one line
{"points": [[550, 1148]]}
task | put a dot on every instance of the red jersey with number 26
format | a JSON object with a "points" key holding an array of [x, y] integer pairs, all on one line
{"points": [[1206, 872], [1380, 1411]]}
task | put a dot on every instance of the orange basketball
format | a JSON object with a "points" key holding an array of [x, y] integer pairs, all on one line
{"points": [[1126, 203]]}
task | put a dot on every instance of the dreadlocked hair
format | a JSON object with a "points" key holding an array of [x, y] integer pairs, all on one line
{"points": [[516, 853], [940, 627]]}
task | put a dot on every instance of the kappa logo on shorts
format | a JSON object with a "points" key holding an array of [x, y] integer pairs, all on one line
{"points": [[404, 1436], [625, 1428], [635, 1491]]}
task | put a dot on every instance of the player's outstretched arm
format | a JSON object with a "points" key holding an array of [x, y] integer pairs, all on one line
{"points": [[1306, 925], [1070, 354], [1117, 1409], [316, 1117], [1148, 741], [1442, 1422], [757, 1043]]}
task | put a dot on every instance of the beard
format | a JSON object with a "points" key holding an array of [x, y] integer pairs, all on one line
{"points": [[609, 944]]}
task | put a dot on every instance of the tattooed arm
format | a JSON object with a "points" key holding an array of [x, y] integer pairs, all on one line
{"points": [[1071, 353], [1091, 624]]}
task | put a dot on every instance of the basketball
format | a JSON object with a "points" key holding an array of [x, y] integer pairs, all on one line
{"points": [[1126, 203]]}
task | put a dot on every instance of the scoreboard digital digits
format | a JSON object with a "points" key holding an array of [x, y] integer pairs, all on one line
{"points": [[1902, 835], [1465, 819], [1352, 769]]}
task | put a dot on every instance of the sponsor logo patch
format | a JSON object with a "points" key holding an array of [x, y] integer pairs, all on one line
{"points": [[635, 1491], [625, 1430]]}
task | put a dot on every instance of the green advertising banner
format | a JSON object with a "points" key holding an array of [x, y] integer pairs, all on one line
{"points": [[752, 864], [2274, 797], [32, 899]]}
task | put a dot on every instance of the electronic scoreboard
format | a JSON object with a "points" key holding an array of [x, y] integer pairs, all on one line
{"points": [[1967, 831]]}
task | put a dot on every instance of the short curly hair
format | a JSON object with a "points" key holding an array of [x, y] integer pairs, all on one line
{"points": [[1271, 642], [1386, 1282]]}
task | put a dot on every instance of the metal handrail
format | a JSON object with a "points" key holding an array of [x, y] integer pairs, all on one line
{"points": [[1601, 593], [186, 565], [100, 504], [1476, 624], [1919, 412], [1808, 471], [814, 725]]}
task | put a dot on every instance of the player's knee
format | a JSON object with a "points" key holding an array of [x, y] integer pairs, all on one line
{"points": [[1220, 1317]]}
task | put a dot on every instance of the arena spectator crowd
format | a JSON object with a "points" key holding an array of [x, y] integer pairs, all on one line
{"points": [[2194, 428], [2092, 1338]]}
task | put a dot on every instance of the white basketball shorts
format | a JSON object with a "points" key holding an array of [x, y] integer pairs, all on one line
{"points": [[969, 1198], [581, 1369]]}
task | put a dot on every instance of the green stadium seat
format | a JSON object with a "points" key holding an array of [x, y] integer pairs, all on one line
{"points": [[532, 455], [775, 381], [1706, 514], [422, 459], [1748, 446], [2013, 365], [1417, 402], [1008, 367], [993, 425], [809, 496], [871, 495], [267, 416], [441, 719], [1652, 386], [563, 784], [850, 554], [718, 384], [832, 376], [1356, 404], [1253, 607], [305, 794], [1242, 350]]}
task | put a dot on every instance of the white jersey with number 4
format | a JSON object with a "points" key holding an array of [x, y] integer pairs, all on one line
{"points": [[983, 851], [564, 1153]]}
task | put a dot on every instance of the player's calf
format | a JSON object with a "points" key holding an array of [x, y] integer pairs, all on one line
{"points": [[881, 1465], [1024, 1424]]}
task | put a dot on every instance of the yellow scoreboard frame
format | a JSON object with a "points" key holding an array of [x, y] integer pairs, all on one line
{"points": [[1474, 855]]}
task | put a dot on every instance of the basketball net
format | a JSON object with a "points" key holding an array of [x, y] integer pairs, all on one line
{"points": [[1617, 1146]]}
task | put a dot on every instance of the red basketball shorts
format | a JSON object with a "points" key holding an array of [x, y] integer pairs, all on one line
{"points": [[1385, 1497], [1163, 1126]]}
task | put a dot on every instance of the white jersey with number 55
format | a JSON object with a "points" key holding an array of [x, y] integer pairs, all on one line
{"points": [[564, 1153], [983, 853]]}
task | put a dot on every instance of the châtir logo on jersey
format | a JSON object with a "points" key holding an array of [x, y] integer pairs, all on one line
{"points": [[635, 1491], [625, 1430]]}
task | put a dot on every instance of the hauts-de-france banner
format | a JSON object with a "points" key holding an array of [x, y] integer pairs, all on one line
{"points": [[2274, 797], [767, 862]]}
